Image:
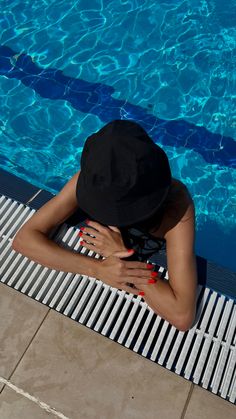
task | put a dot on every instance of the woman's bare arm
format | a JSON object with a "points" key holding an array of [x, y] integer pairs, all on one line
{"points": [[32, 239]]}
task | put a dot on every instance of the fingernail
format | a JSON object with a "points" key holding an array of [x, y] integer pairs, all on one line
{"points": [[87, 221], [81, 242], [151, 281], [149, 266], [154, 274], [81, 231], [141, 293], [131, 250]]}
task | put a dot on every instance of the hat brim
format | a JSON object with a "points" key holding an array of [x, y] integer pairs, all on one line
{"points": [[119, 214]]}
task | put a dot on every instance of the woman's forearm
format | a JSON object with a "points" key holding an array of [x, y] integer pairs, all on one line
{"points": [[38, 247], [162, 300]]}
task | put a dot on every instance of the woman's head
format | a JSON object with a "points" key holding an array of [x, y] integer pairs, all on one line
{"points": [[151, 222], [124, 174]]}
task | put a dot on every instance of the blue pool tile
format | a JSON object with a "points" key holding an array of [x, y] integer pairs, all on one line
{"points": [[40, 199], [16, 188]]}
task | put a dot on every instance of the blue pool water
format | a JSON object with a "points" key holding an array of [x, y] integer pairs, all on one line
{"points": [[69, 67]]}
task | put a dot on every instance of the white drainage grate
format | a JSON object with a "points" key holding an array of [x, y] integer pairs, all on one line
{"points": [[205, 354]]}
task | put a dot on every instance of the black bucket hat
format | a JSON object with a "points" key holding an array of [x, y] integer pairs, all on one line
{"points": [[125, 176]]}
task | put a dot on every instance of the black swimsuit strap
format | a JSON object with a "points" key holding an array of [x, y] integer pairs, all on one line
{"points": [[144, 244]]}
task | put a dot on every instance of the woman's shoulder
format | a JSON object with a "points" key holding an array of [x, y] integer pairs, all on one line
{"points": [[179, 196], [179, 205], [176, 207], [178, 188]]}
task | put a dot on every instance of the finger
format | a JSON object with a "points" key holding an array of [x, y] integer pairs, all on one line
{"points": [[137, 265], [90, 246], [124, 254], [91, 232], [114, 229], [140, 273], [130, 290], [97, 226], [85, 244], [141, 283]]}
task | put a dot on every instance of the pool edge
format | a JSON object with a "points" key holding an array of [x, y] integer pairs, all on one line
{"points": [[210, 274]]}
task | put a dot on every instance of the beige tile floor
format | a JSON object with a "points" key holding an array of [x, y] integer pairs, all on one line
{"points": [[52, 366]]}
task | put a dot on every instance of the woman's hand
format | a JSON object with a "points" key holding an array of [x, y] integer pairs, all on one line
{"points": [[103, 240], [117, 273]]}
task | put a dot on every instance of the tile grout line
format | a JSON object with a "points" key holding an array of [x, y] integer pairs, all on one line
{"points": [[31, 340], [39, 402], [187, 401], [26, 348]]}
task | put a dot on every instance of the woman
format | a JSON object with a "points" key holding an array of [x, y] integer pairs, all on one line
{"points": [[126, 189]]}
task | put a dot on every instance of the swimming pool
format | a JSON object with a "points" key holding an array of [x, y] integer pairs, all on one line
{"points": [[67, 68]]}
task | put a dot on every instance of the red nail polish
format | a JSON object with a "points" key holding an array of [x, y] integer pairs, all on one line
{"points": [[154, 274], [151, 281], [81, 242], [131, 250], [141, 293], [149, 266]]}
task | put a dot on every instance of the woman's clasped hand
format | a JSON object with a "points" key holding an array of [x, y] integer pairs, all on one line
{"points": [[105, 240], [113, 270], [117, 273]]}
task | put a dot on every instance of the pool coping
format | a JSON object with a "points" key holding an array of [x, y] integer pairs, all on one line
{"points": [[210, 274]]}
